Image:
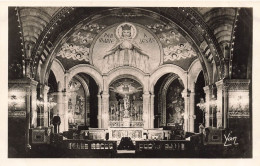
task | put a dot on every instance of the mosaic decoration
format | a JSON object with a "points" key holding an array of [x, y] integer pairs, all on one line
{"points": [[175, 46], [76, 104], [178, 52], [144, 45], [126, 44], [78, 45], [175, 104]]}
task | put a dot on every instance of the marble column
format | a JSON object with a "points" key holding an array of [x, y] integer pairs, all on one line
{"points": [[152, 111], [64, 126], [45, 106], [59, 103], [33, 104], [146, 118], [225, 99], [99, 111], [30, 101], [192, 110], [186, 96], [87, 111], [220, 85], [105, 110], [207, 91]]}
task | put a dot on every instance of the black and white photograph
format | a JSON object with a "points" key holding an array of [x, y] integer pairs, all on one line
{"points": [[132, 82]]}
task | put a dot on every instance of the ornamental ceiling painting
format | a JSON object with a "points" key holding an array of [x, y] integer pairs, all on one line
{"points": [[100, 42]]}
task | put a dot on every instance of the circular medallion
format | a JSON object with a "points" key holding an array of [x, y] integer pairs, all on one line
{"points": [[126, 27]]}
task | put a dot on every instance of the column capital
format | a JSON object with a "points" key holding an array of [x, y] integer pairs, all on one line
{"points": [[46, 88], [146, 93], [192, 93], [185, 93], [43, 86], [206, 88], [220, 83], [105, 95]]}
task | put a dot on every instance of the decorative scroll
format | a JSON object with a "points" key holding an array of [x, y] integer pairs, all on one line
{"points": [[178, 52], [74, 52]]}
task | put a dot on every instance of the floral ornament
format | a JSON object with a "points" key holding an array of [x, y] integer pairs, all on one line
{"points": [[177, 52], [84, 38], [74, 52], [156, 27], [170, 37], [93, 27]]}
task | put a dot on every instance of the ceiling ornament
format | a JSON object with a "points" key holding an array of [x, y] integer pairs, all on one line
{"points": [[178, 52], [126, 87], [74, 52], [175, 46], [78, 45]]}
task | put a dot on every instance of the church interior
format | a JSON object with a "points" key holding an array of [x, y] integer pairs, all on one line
{"points": [[147, 82]]}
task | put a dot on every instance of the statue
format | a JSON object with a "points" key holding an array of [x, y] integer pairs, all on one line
{"points": [[126, 106], [126, 51]]}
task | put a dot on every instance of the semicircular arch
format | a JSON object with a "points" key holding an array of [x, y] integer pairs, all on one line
{"points": [[165, 69], [90, 70], [126, 72]]}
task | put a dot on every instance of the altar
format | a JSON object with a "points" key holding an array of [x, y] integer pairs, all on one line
{"points": [[118, 133]]}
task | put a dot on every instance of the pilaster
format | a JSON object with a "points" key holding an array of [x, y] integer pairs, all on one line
{"points": [[207, 91], [192, 111], [152, 111], [186, 96], [146, 118], [105, 110]]}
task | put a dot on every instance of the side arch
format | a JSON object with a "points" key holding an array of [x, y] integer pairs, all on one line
{"points": [[169, 68], [193, 73], [58, 71], [84, 68]]}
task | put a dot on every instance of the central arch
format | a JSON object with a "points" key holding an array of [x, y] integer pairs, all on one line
{"points": [[129, 72]]}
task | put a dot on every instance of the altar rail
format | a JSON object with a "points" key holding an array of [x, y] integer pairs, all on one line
{"points": [[90, 145], [169, 145]]}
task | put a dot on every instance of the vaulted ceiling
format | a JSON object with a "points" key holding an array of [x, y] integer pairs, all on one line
{"points": [[39, 28]]}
